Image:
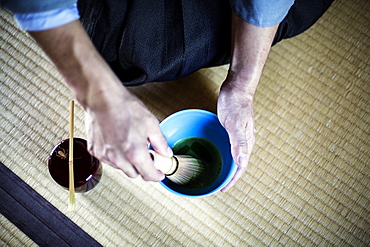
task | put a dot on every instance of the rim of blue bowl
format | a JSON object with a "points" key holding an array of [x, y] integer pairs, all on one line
{"points": [[233, 164]]}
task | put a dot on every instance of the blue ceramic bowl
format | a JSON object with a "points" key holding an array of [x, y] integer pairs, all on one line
{"points": [[199, 123]]}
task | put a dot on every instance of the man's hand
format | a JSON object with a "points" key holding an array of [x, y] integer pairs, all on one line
{"points": [[250, 48], [119, 127], [118, 133], [235, 112]]}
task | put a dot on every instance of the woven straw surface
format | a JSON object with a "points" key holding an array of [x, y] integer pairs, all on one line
{"points": [[308, 180]]}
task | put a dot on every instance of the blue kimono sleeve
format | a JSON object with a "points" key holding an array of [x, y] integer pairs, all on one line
{"points": [[263, 13], [44, 20], [33, 6]]}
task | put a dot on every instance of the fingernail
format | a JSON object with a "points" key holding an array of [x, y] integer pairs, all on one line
{"points": [[169, 152], [242, 160]]}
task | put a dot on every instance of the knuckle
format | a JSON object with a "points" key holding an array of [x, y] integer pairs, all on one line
{"points": [[148, 177], [242, 143], [134, 157], [127, 169], [153, 121], [131, 174], [90, 148]]}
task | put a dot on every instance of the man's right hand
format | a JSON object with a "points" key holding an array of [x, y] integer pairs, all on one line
{"points": [[119, 126], [118, 133]]}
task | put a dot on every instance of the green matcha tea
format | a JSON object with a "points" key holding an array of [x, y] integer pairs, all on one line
{"points": [[206, 151]]}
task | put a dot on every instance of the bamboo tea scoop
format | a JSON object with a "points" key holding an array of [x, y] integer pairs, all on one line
{"points": [[72, 200]]}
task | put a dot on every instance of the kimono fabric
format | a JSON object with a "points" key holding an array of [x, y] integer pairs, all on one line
{"points": [[147, 41]]}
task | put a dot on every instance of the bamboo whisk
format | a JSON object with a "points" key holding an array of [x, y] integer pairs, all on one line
{"points": [[180, 169]]}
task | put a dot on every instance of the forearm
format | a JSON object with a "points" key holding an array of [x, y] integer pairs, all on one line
{"points": [[82, 67], [250, 48], [118, 125]]}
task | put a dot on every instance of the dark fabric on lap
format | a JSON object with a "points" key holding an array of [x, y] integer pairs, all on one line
{"points": [[301, 16], [148, 40], [35, 216], [104, 22]]}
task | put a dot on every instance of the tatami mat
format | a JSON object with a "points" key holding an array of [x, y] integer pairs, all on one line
{"points": [[308, 180]]}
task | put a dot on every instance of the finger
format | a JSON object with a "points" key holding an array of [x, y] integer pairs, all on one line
{"points": [[139, 157], [239, 172], [113, 156], [158, 141], [126, 168], [240, 146], [90, 147], [89, 134], [122, 165], [243, 148]]}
